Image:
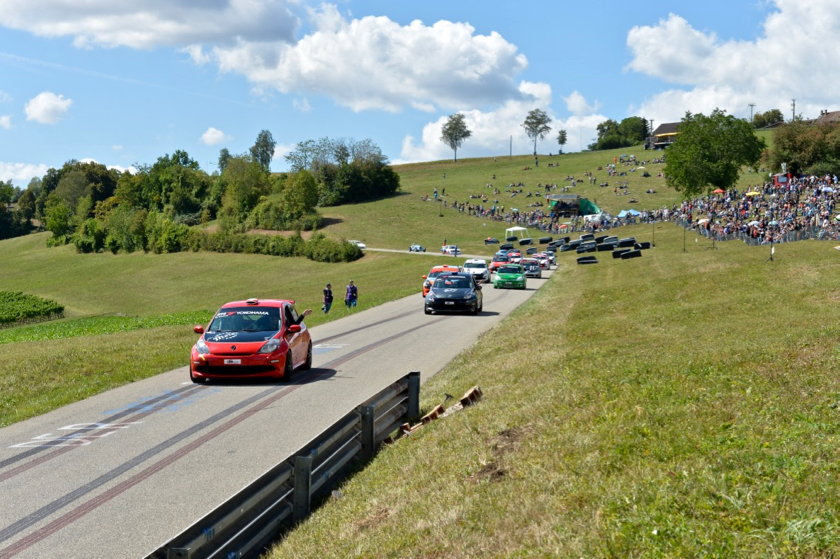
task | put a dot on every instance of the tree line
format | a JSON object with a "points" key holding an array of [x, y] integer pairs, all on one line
{"points": [[156, 207]]}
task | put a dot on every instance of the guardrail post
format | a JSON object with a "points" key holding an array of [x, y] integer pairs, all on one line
{"points": [[368, 432], [302, 490], [413, 394]]}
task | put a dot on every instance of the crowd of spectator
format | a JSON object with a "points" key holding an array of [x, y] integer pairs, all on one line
{"points": [[804, 207]]}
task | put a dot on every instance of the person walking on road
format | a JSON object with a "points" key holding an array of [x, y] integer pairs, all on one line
{"points": [[328, 298], [351, 295]]}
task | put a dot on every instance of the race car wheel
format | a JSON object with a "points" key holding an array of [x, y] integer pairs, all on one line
{"points": [[308, 364], [288, 369]]}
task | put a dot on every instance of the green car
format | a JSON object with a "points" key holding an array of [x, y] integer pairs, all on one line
{"points": [[509, 276]]}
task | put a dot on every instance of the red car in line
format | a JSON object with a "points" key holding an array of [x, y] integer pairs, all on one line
{"points": [[252, 339], [498, 262]]}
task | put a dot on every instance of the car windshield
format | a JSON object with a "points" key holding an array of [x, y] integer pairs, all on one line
{"points": [[501, 259], [452, 282], [510, 270], [246, 319], [480, 265]]}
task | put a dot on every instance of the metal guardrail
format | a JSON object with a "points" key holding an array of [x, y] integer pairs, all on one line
{"points": [[246, 522]]}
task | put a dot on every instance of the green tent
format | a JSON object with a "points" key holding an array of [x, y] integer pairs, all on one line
{"points": [[569, 205]]}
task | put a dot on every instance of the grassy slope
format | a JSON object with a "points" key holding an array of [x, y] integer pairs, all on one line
{"points": [[681, 404]]}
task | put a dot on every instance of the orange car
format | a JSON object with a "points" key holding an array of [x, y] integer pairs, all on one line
{"points": [[435, 272]]}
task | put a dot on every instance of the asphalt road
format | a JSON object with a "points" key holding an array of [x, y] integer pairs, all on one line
{"points": [[122, 473]]}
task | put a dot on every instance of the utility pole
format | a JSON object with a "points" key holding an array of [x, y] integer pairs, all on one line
{"points": [[751, 112], [793, 107]]}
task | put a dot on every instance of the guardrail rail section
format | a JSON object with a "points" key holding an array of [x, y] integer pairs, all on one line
{"points": [[246, 522]]}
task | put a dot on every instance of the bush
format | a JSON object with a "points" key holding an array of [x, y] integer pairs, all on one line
{"points": [[16, 307], [91, 235]]}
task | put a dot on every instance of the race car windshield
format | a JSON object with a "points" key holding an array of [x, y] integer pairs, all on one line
{"points": [[452, 283], [246, 319], [474, 265]]}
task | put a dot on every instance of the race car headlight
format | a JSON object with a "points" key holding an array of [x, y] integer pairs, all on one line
{"points": [[270, 346], [201, 347], [431, 297], [470, 295]]}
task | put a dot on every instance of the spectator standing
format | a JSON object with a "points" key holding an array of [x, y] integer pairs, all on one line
{"points": [[328, 298], [351, 295]]}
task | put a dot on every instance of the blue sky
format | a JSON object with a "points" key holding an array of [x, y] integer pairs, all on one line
{"points": [[123, 82]]}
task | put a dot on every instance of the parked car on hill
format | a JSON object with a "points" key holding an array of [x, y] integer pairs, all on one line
{"points": [[359, 244], [416, 248], [252, 339]]}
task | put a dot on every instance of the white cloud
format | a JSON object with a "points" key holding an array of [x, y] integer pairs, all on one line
{"points": [[578, 105], [375, 63], [790, 59], [366, 63], [5, 122], [21, 172], [213, 137], [146, 24], [493, 131], [117, 147], [281, 150], [302, 105], [47, 107], [4, 97]]}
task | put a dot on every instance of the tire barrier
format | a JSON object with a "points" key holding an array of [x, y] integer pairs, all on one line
{"points": [[506, 246], [599, 240], [511, 239], [587, 237], [531, 250], [631, 254], [491, 241], [523, 242], [603, 248], [587, 260], [619, 251], [544, 240], [643, 246], [612, 239], [628, 242], [587, 247]]}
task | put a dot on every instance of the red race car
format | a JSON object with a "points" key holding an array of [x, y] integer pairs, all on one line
{"points": [[498, 262], [252, 339]]}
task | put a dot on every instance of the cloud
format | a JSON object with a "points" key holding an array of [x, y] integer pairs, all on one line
{"points": [[5, 122], [117, 147], [47, 107], [371, 63], [302, 105], [4, 97], [281, 150], [213, 137], [577, 104], [21, 172], [768, 70], [375, 63], [494, 131], [146, 24]]}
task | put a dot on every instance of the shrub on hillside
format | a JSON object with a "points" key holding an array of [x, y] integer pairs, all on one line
{"points": [[17, 307]]}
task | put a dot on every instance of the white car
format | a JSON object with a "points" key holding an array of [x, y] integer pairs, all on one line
{"points": [[450, 249], [478, 268], [359, 244]]}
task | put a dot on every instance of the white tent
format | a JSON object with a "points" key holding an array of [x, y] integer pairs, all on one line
{"points": [[515, 232]]}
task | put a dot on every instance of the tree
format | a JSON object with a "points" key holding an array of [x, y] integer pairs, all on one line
{"points": [[536, 125], [454, 132], [263, 150], [709, 153], [300, 195], [301, 157], [561, 139], [768, 118], [224, 155]]}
